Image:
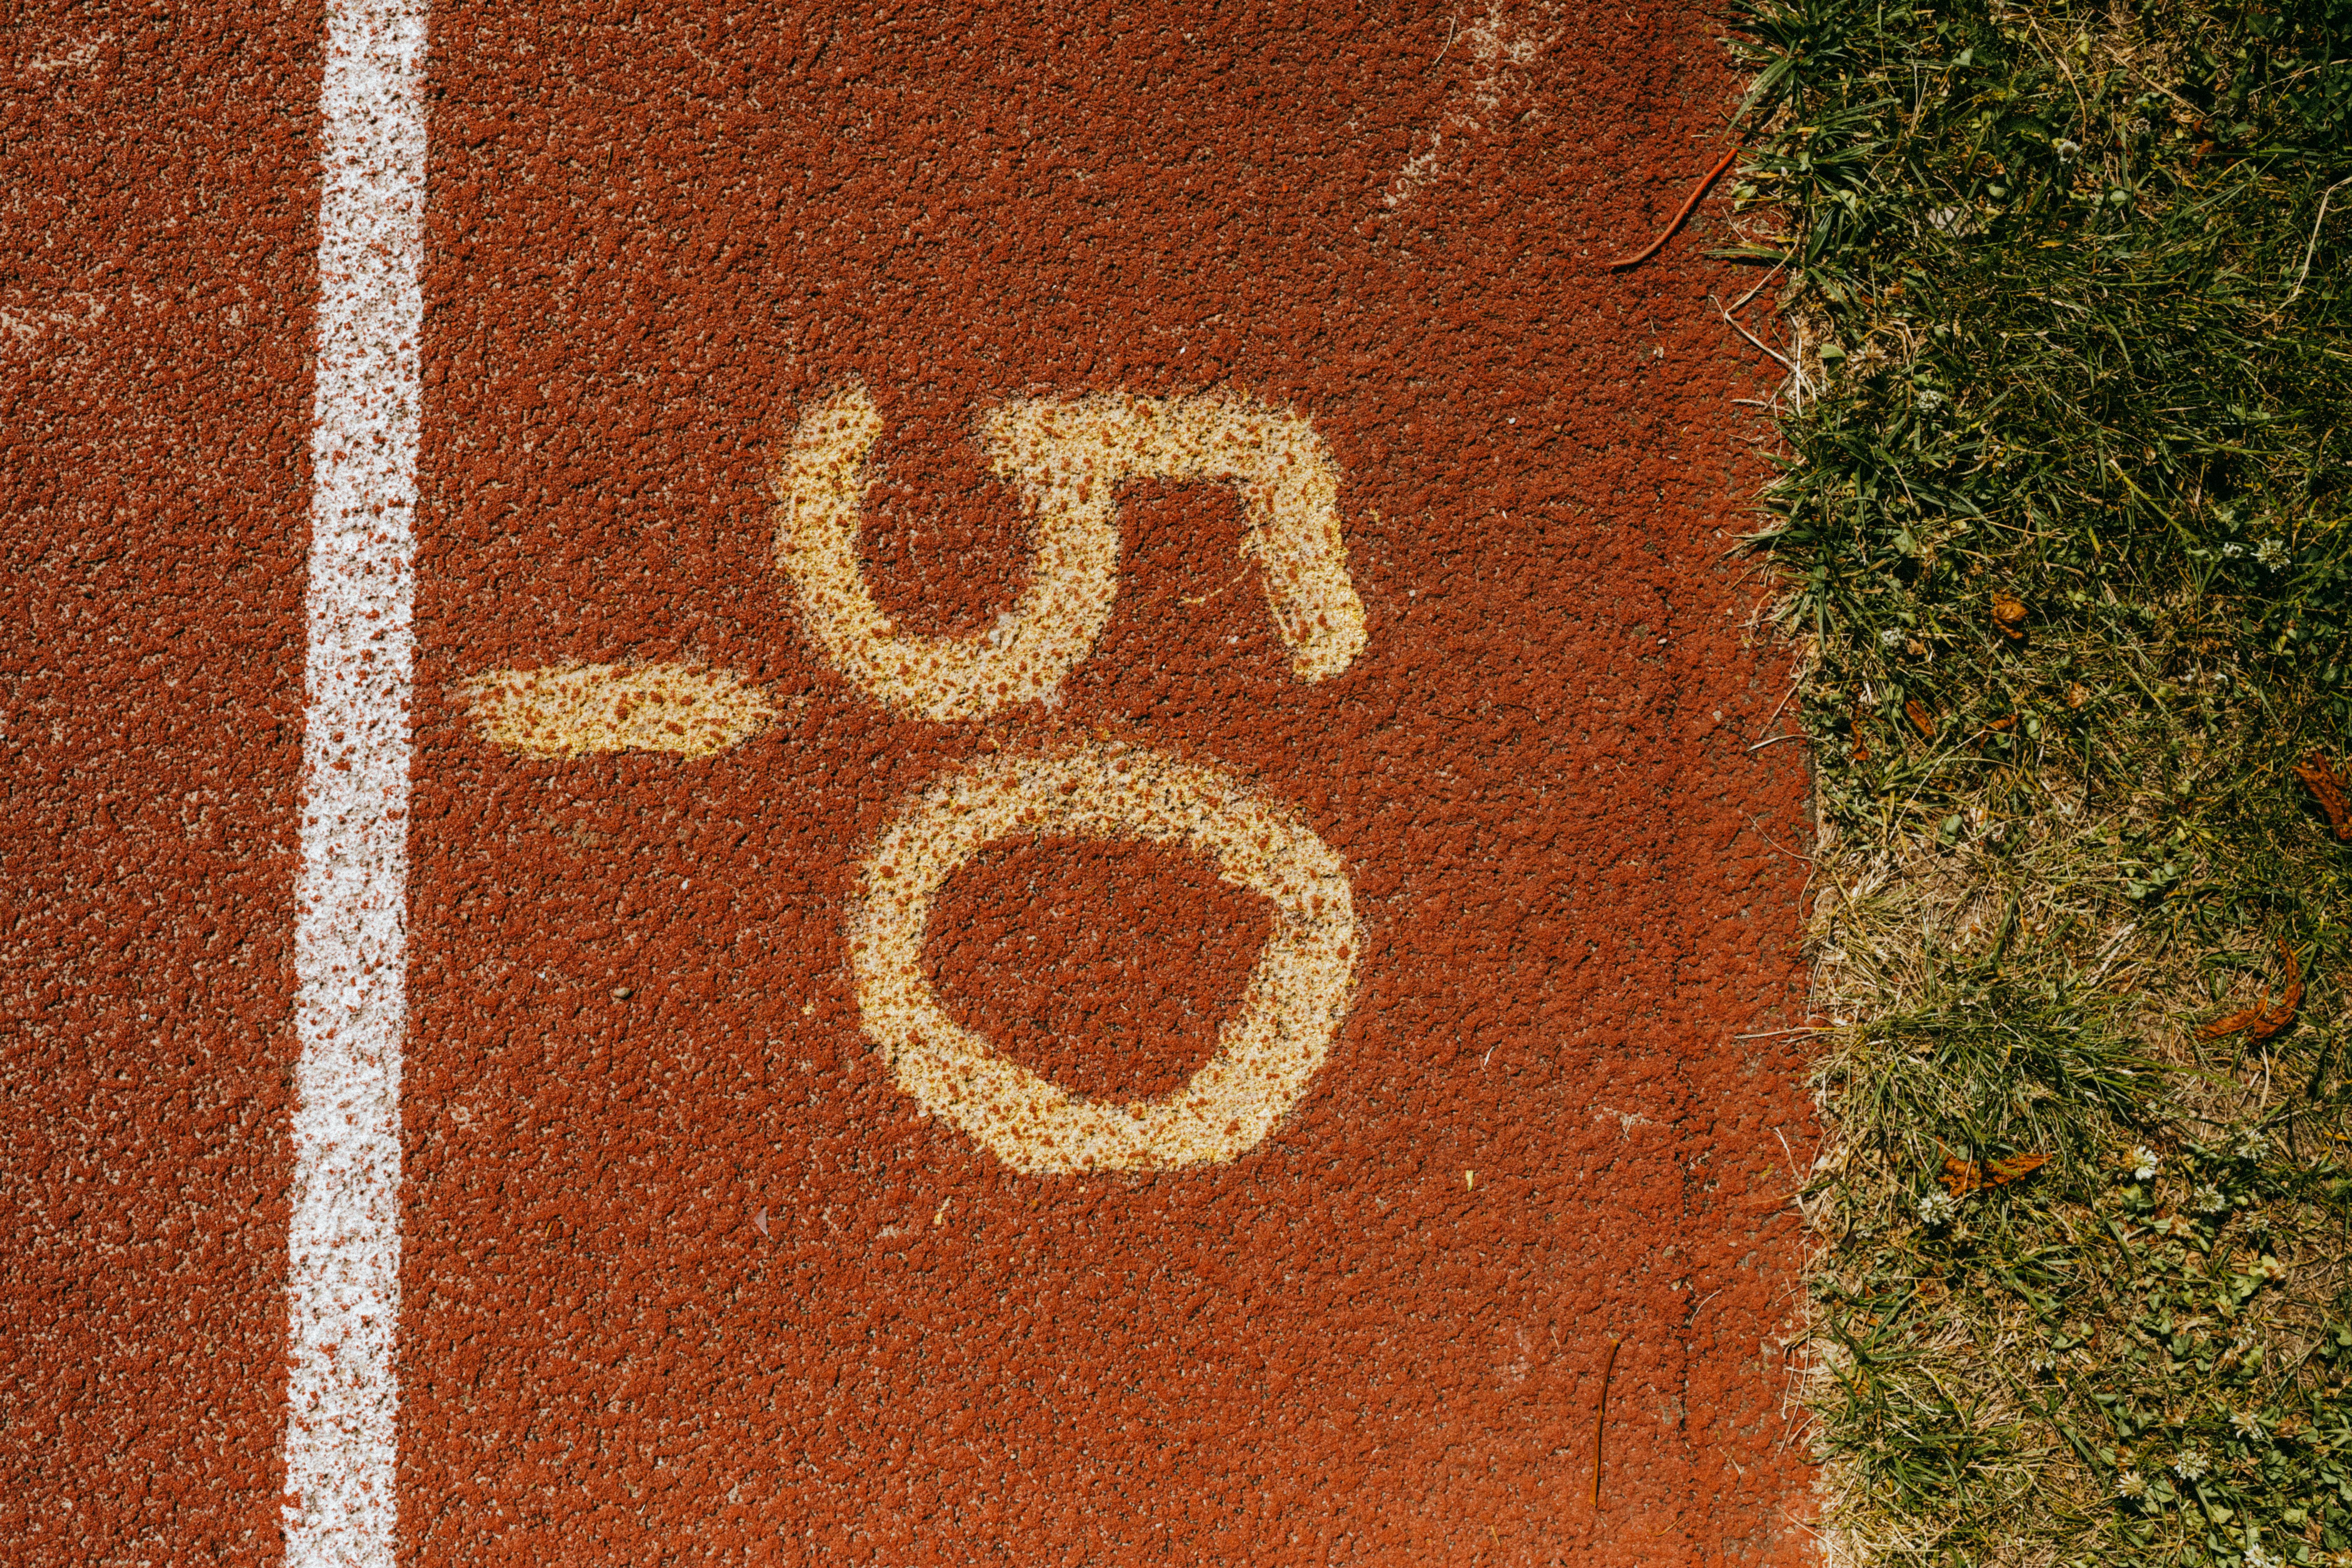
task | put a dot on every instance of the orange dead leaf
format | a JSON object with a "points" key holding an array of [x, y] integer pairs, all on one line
{"points": [[1962, 1177], [2230, 1023], [2280, 1016], [2009, 617], [2320, 778], [2265, 1017], [1921, 720]]}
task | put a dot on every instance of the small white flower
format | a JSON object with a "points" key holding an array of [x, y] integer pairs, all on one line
{"points": [[2207, 1200], [2247, 1422], [2143, 1162], [2066, 149], [2251, 1145], [2258, 1558], [2191, 1464], [1891, 638], [2233, 550], [2271, 554], [1937, 1208], [2131, 1483]]}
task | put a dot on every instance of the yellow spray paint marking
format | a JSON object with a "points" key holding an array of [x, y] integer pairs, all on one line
{"points": [[577, 709], [1068, 457], [1267, 1053]]}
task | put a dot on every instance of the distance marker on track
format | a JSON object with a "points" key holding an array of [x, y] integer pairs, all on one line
{"points": [[964, 784]]}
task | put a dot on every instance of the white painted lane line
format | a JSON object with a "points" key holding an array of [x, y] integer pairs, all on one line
{"points": [[351, 887]]}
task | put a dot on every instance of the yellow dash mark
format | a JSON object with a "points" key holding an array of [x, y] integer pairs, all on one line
{"points": [[577, 709], [1470, 1179]]}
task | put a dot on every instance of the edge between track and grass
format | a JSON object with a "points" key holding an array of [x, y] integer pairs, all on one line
{"points": [[2064, 523]]}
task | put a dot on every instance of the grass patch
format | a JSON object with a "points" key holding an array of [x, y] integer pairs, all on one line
{"points": [[2066, 526]]}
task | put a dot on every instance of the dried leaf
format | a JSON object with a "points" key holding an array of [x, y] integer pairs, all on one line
{"points": [[1962, 1177], [2265, 1017], [2016, 1167], [2279, 1017], [1921, 720], [2075, 695], [2008, 616], [2320, 778], [2230, 1024]]}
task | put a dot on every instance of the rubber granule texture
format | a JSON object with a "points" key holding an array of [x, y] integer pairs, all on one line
{"points": [[689, 1275], [161, 200]]}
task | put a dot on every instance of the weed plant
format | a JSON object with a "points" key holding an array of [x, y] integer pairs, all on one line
{"points": [[2066, 524]]}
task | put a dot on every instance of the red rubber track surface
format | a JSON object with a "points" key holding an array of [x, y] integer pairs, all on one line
{"points": [[654, 235], [158, 228]]}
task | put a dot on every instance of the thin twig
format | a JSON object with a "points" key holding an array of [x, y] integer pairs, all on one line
{"points": [[1622, 263], [2294, 76], [1601, 1420], [2114, 951], [2066, 75], [1776, 709], [1733, 324], [1799, 860], [2307, 250], [1742, 302]]}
